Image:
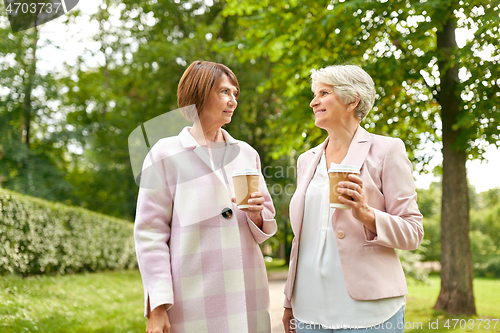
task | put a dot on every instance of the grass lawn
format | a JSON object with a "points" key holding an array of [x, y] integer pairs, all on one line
{"points": [[276, 265], [113, 302], [98, 302], [422, 297]]}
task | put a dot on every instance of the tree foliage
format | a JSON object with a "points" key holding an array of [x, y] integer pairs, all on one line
{"points": [[409, 48], [31, 158], [144, 58], [395, 42]]}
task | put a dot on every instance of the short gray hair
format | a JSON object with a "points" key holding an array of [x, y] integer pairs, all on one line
{"points": [[349, 82]]}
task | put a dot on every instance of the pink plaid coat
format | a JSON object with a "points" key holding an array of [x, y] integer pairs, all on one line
{"points": [[208, 268]]}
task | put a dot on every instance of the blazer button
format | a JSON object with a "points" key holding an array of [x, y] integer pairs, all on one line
{"points": [[340, 234], [227, 213]]}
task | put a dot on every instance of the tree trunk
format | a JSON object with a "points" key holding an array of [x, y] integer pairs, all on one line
{"points": [[27, 105], [29, 82], [456, 296]]}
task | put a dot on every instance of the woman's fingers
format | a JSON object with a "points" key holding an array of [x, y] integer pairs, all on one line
{"points": [[356, 179], [288, 322], [158, 321], [349, 203], [256, 195], [255, 208], [354, 191], [350, 186], [355, 195], [256, 201]]}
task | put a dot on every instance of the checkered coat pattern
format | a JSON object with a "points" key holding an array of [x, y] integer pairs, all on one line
{"points": [[207, 268]]}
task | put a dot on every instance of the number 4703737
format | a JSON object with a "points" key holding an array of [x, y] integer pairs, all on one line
{"points": [[471, 323], [25, 8]]}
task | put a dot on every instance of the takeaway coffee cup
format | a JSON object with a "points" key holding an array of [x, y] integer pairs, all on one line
{"points": [[246, 181], [336, 174]]}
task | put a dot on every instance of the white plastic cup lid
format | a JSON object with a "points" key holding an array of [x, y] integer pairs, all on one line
{"points": [[245, 172], [343, 168]]}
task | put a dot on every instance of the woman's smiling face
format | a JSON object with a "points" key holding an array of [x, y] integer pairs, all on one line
{"points": [[327, 106]]}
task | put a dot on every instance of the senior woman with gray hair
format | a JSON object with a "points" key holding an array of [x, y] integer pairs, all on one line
{"points": [[344, 272]]}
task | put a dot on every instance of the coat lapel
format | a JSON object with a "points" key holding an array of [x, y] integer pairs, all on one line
{"points": [[188, 142], [356, 155], [309, 167], [358, 149], [313, 161]]}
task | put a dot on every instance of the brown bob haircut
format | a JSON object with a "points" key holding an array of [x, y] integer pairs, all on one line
{"points": [[197, 83]]}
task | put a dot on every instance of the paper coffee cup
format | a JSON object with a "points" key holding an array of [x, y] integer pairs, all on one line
{"points": [[246, 182], [338, 173]]}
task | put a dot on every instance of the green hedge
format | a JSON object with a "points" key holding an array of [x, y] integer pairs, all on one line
{"points": [[40, 237]]}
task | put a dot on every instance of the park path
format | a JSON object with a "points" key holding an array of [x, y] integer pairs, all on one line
{"points": [[276, 287]]}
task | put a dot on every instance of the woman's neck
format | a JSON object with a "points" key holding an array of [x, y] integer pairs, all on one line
{"points": [[340, 137], [204, 135]]}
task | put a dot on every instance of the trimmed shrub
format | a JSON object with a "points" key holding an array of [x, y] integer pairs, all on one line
{"points": [[40, 237]]}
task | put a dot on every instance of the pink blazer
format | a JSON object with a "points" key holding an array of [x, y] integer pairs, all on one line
{"points": [[370, 265]]}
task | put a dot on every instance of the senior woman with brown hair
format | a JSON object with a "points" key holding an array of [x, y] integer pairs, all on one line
{"points": [[198, 253], [344, 272]]}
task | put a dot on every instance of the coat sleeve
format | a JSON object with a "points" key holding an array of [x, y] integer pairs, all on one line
{"points": [[152, 234], [269, 226], [400, 225]]}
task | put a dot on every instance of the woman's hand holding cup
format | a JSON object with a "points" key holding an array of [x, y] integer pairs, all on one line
{"points": [[248, 197], [360, 209], [255, 207]]}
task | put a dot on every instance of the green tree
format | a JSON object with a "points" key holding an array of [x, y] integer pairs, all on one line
{"points": [[429, 199], [32, 160], [410, 50], [489, 198], [138, 81]]}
